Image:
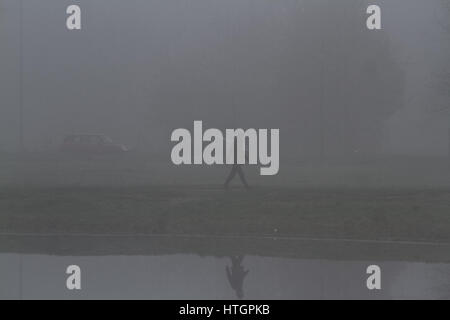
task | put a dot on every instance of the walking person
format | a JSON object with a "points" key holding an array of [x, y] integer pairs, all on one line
{"points": [[237, 168]]}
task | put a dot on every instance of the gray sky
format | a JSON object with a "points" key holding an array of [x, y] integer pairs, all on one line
{"points": [[139, 69]]}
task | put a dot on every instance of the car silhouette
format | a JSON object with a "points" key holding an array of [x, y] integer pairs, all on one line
{"points": [[91, 143]]}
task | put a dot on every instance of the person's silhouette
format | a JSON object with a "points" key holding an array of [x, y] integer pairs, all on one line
{"points": [[236, 275], [237, 168]]}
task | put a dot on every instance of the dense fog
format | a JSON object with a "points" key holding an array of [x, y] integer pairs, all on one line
{"points": [[140, 69]]}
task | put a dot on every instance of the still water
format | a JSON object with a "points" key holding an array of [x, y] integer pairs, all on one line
{"points": [[186, 276]]}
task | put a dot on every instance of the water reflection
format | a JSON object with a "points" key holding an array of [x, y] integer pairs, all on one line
{"points": [[236, 275], [186, 276]]}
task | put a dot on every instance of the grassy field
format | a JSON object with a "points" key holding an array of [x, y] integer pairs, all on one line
{"points": [[382, 214], [108, 205]]}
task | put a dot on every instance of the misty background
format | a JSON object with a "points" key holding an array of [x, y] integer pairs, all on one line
{"points": [[364, 118], [140, 69]]}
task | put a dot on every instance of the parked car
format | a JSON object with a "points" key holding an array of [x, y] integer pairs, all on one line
{"points": [[91, 143]]}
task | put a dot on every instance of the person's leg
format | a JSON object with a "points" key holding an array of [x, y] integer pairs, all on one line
{"points": [[231, 176], [242, 176]]}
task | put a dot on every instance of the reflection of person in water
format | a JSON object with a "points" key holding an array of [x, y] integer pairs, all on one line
{"points": [[237, 168], [236, 275]]}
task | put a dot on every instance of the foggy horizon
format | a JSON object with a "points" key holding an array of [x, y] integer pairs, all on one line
{"points": [[137, 74]]}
